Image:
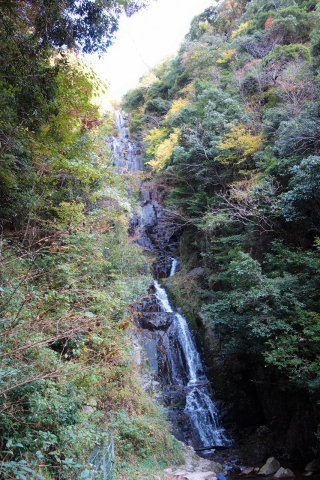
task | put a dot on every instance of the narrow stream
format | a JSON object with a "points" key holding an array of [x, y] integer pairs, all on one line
{"points": [[186, 388]]}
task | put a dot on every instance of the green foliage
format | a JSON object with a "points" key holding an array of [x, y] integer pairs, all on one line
{"points": [[68, 272], [243, 180], [199, 23], [64, 308], [315, 35], [273, 314], [139, 436], [157, 105], [90, 26], [133, 99], [302, 198], [68, 269]]}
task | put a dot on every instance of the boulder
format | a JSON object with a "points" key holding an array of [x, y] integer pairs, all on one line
{"points": [[270, 467], [156, 320], [284, 473], [158, 398], [313, 466], [175, 399], [149, 304], [247, 471], [180, 473]]}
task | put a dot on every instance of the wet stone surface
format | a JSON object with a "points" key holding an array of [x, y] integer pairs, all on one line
{"points": [[156, 321], [126, 154], [152, 231], [185, 388]]}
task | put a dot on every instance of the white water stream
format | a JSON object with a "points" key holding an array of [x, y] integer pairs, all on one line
{"points": [[126, 154], [186, 369], [199, 406]]}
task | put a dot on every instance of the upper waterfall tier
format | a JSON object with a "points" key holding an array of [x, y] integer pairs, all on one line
{"points": [[126, 154], [123, 131]]}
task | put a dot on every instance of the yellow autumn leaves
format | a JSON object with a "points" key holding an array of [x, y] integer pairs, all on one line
{"points": [[177, 105], [160, 145], [161, 151], [239, 144], [236, 148]]}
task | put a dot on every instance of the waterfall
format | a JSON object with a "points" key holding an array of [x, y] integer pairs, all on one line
{"points": [[162, 297], [123, 132], [183, 369], [180, 328], [200, 409], [173, 267], [126, 154], [204, 418]]}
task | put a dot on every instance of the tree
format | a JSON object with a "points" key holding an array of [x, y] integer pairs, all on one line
{"points": [[87, 25], [302, 200], [163, 151], [239, 145]]}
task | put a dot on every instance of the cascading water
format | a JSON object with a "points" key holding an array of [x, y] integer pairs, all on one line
{"points": [[173, 267], [182, 370], [200, 409], [123, 132], [126, 154]]}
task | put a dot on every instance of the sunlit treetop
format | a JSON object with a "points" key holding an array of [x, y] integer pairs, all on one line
{"points": [[86, 25]]}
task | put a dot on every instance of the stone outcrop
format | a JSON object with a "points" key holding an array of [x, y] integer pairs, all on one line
{"points": [[182, 475], [153, 232], [155, 320]]}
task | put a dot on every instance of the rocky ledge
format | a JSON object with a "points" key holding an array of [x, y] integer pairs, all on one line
{"points": [[156, 320], [195, 468]]}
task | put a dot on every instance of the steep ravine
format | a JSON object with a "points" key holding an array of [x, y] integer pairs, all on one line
{"points": [[178, 366], [186, 389]]}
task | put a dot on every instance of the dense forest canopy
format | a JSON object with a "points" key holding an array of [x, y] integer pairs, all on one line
{"points": [[231, 125]]}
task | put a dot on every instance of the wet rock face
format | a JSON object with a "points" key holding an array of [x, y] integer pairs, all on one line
{"points": [[180, 424], [156, 320], [175, 398], [152, 231], [162, 268], [126, 154], [149, 305]]}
